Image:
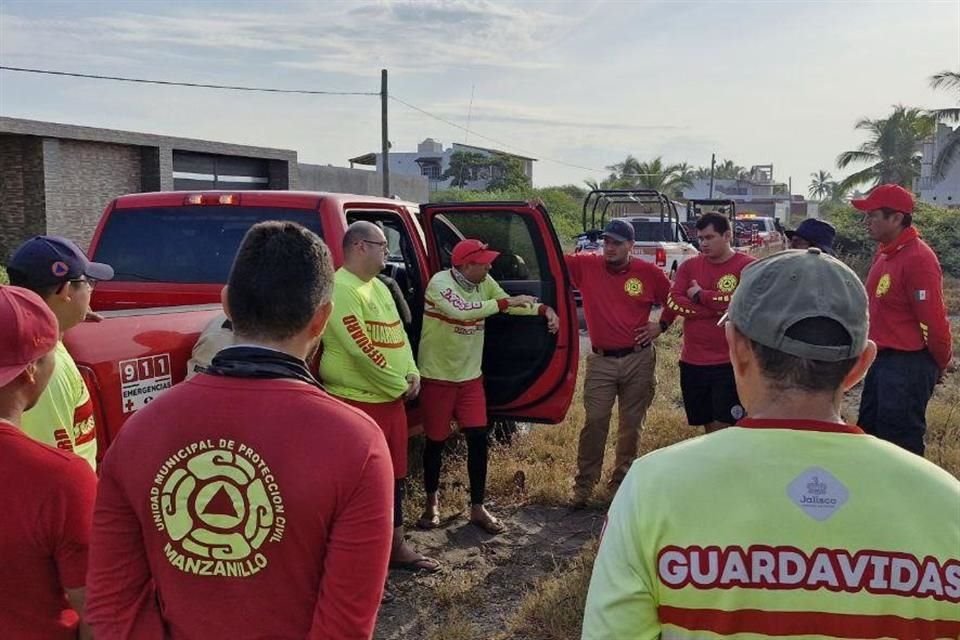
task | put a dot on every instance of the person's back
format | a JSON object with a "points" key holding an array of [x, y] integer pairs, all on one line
{"points": [[246, 502], [237, 495], [790, 524], [765, 526]]}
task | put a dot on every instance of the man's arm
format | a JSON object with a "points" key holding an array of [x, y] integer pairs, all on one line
{"points": [[925, 288], [575, 267], [516, 305], [347, 327], [621, 601], [679, 304], [442, 299], [358, 549], [121, 599], [661, 292]]}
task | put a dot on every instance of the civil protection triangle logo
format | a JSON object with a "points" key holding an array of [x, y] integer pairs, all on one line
{"points": [[219, 506]]}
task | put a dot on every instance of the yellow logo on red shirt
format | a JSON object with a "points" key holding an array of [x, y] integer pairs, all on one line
{"points": [[217, 504], [633, 287], [728, 283], [883, 286]]}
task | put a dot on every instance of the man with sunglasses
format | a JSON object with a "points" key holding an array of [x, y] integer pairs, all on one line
{"points": [[57, 270], [367, 362], [908, 321]]}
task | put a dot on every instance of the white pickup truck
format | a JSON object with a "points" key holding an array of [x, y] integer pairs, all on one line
{"points": [[660, 238]]}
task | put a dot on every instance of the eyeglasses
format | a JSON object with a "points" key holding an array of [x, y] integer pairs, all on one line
{"points": [[382, 245], [90, 282]]}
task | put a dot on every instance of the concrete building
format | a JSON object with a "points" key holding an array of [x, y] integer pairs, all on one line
{"points": [[431, 160], [57, 178], [943, 191], [756, 192]]}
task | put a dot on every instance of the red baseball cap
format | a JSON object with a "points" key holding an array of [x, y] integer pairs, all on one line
{"points": [[886, 196], [468, 251], [28, 331]]}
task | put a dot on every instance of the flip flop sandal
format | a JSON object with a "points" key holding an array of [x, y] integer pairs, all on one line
{"points": [[388, 597], [420, 565], [428, 521], [492, 526]]}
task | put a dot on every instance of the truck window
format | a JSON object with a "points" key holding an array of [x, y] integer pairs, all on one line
{"points": [[188, 244], [654, 230], [504, 231]]}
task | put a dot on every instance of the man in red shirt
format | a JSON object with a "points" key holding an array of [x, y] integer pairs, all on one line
{"points": [[908, 321], [700, 294], [46, 494], [246, 502], [618, 293]]}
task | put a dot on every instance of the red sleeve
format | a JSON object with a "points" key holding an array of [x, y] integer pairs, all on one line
{"points": [[661, 293], [575, 267], [70, 513], [121, 600], [715, 300], [678, 303], [355, 565], [926, 300]]}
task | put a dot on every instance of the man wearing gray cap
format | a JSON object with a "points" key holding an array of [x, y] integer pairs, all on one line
{"points": [[791, 522]]}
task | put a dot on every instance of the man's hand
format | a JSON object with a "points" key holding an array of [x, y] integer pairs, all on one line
{"points": [[92, 316], [694, 290], [951, 368], [648, 333], [521, 301], [553, 320], [413, 387]]}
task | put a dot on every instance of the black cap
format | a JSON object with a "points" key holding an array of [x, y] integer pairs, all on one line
{"points": [[49, 260], [619, 230]]}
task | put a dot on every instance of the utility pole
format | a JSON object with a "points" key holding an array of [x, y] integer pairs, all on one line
{"points": [[384, 138], [713, 164]]}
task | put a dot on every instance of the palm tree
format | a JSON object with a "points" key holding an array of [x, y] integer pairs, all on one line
{"points": [[893, 148], [821, 185], [951, 150]]}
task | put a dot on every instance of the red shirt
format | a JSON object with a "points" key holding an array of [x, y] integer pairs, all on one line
{"points": [[616, 303], [46, 498], [907, 311], [704, 343], [242, 508]]}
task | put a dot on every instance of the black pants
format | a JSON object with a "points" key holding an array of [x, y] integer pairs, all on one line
{"points": [[895, 396], [477, 454]]}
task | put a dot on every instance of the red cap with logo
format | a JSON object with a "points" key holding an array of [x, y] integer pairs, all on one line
{"points": [[28, 331], [886, 196], [472, 251]]}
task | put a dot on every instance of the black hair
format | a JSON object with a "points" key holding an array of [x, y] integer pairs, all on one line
{"points": [[719, 223], [282, 274]]}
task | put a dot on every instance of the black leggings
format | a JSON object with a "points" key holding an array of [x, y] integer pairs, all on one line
{"points": [[398, 492], [477, 449]]}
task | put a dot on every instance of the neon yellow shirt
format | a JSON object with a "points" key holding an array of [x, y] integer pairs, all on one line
{"points": [[366, 354], [63, 417], [770, 527], [451, 341]]}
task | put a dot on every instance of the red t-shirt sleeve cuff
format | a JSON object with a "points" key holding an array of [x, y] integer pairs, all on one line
{"points": [[502, 304]]}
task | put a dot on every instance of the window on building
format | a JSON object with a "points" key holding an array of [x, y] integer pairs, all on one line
{"points": [[430, 171]]}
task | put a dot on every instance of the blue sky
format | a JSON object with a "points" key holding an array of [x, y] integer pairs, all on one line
{"points": [[584, 82]]}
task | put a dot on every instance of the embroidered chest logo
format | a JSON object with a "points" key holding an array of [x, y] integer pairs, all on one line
{"points": [[218, 505], [633, 287], [883, 286], [727, 283]]}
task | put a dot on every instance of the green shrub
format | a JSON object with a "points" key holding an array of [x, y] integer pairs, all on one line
{"points": [[3, 276]]}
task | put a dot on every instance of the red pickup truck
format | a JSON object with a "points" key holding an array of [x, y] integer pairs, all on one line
{"points": [[172, 253]]}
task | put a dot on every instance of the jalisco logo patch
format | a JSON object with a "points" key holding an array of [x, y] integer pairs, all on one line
{"points": [[883, 286], [728, 283], [218, 505], [633, 287]]}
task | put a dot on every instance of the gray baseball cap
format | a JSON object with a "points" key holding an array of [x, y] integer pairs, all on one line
{"points": [[781, 290]]}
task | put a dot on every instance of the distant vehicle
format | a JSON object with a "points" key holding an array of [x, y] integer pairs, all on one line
{"points": [[660, 238], [763, 233]]}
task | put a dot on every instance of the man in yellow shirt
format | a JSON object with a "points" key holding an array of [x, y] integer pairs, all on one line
{"points": [[367, 362], [58, 271]]}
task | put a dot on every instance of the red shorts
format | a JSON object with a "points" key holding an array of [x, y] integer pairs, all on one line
{"points": [[391, 417], [443, 402]]}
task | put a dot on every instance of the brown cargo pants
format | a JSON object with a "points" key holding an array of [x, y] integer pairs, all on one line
{"points": [[633, 380]]}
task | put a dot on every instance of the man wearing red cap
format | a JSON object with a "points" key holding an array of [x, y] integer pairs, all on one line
{"points": [[47, 494], [451, 351], [908, 321]]}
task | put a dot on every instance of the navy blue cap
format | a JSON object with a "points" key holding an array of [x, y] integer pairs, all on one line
{"points": [[818, 233], [618, 230], [48, 260]]}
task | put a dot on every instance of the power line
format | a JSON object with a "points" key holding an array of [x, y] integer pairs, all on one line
{"points": [[494, 140], [195, 85]]}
